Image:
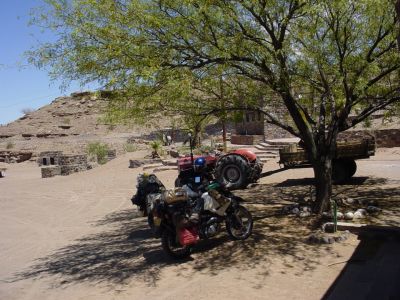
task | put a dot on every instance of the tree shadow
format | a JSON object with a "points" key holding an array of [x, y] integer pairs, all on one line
{"points": [[128, 251], [115, 255], [361, 180], [124, 249]]}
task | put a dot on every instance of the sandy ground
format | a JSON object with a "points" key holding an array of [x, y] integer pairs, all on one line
{"points": [[79, 237]]}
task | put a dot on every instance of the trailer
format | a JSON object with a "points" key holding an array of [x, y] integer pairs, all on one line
{"points": [[344, 164]]}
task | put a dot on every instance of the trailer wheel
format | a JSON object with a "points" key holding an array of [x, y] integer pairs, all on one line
{"points": [[342, 170], [352, 167], [233, 171]]}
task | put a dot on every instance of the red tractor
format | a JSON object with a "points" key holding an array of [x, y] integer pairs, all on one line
{"points": [[235, 169]]}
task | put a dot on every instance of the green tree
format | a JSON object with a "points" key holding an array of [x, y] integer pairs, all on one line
{"points": [[322, 60]]}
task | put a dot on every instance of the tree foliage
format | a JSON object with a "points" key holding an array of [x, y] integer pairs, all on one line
{"points": [[322, 60]]}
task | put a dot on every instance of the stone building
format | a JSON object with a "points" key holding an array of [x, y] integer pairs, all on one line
{"points": [[55, 163], [49, 158], [253, 128]]}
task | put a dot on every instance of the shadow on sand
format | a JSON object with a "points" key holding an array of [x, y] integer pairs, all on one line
{"points": [[124, 249]]}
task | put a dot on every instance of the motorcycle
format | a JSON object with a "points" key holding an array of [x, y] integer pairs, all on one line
{"points": [[179, 235], [149, 189]]}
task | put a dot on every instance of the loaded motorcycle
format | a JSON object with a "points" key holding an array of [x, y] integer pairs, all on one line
{"points": [[178, 234], [149, 189]]}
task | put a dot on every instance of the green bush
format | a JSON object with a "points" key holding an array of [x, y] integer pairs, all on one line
{"points": [[10, 145], [98, 150], [367, 123], [156, 146], [130, 147]]}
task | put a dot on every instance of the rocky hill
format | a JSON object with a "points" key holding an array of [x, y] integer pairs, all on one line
{"points": [[68, 124]]}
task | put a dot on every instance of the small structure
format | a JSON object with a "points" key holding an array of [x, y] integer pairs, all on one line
{"points": [[250, 130], [55, 163], [49, 158], [254, 128], [3, 169]]}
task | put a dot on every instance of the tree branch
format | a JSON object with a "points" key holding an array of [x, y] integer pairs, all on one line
{"points": [[369, 111]]}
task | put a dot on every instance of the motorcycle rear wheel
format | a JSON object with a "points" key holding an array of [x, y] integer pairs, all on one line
{"points": [[240, 224], [172, 247]]}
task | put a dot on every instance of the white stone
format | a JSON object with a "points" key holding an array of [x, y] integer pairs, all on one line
{"points": [[349, 216], [304, 214], [327, 240], [349, 200], [362, 211], [327, 215], [339, 215], [360, 214]]}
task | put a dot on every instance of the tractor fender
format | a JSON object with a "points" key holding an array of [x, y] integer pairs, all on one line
{"points": [[245, 153]]}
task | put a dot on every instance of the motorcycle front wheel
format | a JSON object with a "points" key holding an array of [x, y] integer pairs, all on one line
{"points": [[239, 224], [172, 247]]}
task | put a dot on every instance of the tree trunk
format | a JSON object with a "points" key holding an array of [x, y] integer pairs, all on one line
{"points": [[224, 135], [196, 136], [323, 184], [397, 6]]}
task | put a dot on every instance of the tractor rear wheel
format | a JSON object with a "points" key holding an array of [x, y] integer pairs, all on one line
{"points": [[233, 171]]}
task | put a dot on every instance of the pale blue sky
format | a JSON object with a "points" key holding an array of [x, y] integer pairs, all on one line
{"points": [[22, 87]]}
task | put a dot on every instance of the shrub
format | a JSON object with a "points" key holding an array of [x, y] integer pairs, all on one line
{"points": [[156, 146], [10, 145], [27, 110], [98, 150], [367, 123], [130, 147]]}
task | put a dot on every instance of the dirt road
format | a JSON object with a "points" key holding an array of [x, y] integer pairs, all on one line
{"points": [[78, 237]]}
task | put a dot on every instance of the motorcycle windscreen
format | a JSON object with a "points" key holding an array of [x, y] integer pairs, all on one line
{"points": [[210, 203]]}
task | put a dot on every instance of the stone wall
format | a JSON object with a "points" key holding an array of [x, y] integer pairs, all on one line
{"points": [[14, 156], [246, 139], [69, 169], [50, 171], [72, 160], [385, 138]]}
